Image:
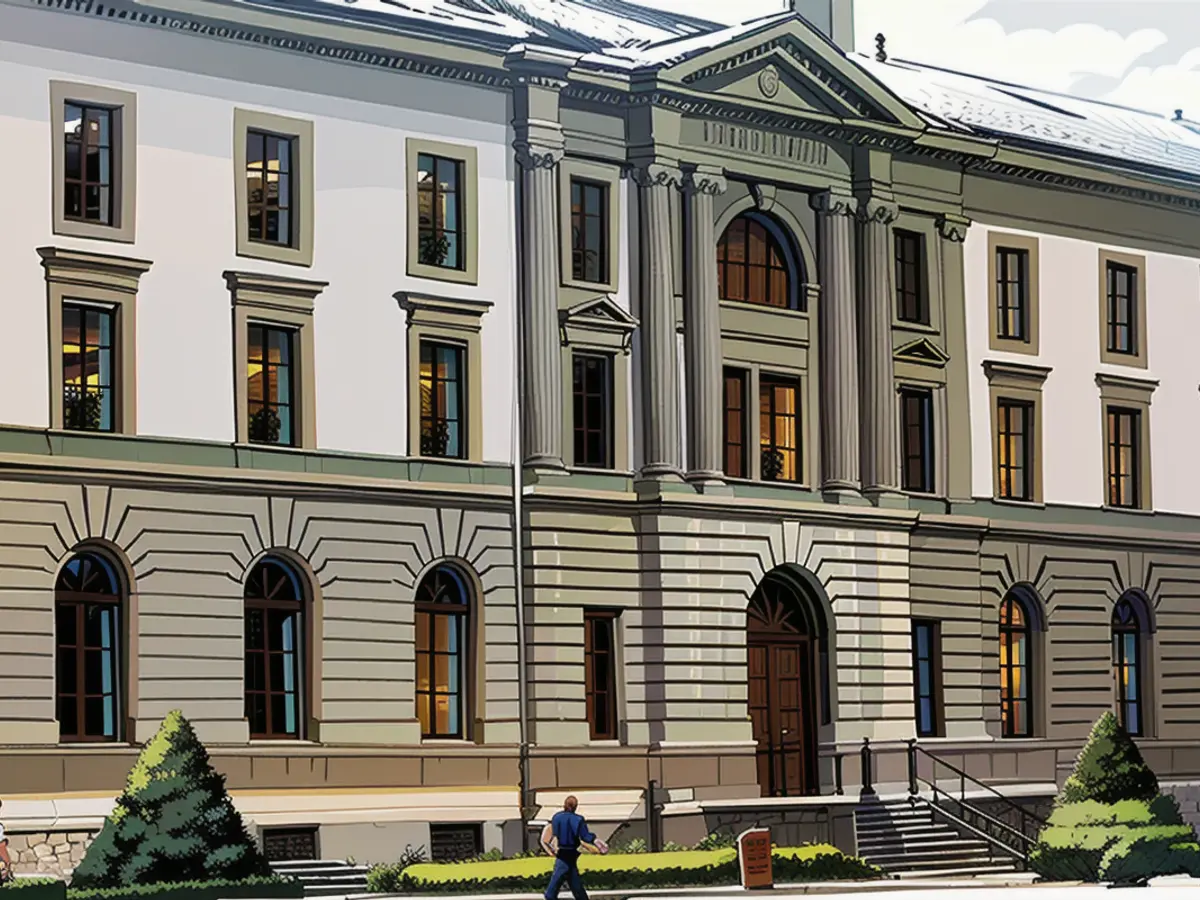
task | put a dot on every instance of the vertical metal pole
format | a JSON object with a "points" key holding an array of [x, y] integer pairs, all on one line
{"points": [[867, 787], [837, 773], [912, 767], [652, 817]]}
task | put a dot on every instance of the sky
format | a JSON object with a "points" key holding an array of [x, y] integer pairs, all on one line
{"points": [[1140, 53]]}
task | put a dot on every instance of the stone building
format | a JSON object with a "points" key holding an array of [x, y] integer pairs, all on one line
{"points": [[839, 400]]}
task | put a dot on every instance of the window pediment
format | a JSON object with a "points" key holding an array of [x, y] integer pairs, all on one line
{"points": [[597, 320], [922, 352]]}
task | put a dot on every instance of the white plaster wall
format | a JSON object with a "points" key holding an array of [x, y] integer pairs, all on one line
{"points": [[187, 89], [1072, 439]]}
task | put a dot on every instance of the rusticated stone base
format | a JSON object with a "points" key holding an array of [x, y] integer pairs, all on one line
{"points": [[55, 853], [1188, 795]]}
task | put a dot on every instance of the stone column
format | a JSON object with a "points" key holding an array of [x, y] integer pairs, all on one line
{"points": [[880, 409], [659, 363], [953, 230], [702, 328], [542, 403], [838, 350]]}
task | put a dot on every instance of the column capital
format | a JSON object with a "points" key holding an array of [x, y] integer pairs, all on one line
{"points": [[834, 203], [953, 227], [543, 67], [652, 174], [539, 155], [878, 210], [704, 180]]}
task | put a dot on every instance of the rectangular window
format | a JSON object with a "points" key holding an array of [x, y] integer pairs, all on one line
{"points": [[1122, 308], [1014, 449], [89, 164], [441, 232], [1124, 462], [592, 389], [916, 435], [89, 389], [600, 667], [270, 385], [910, 289], [736, 464], [927, 676], [779, 428], [269, 188], [443, 424], [455, 842], [1012, 293], [589, 231]]}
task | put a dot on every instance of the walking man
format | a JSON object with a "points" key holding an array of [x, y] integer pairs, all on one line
{"points": [[569, 830]]}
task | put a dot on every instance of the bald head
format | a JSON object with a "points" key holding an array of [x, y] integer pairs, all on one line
{"points": [[571, 803]]}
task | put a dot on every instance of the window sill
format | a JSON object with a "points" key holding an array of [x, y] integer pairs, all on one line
{"points": [[766, 309], [1019, 504], [918, 327], [605, 744], [1012, 345], [760, 482], [1131, 510], [97, 746], [437, 273], [276, 253], [443, 460], [94, 231], [596, 287], [282, 742]]}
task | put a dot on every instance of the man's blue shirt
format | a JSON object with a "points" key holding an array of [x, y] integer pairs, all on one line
{"points": [[570, 830]]}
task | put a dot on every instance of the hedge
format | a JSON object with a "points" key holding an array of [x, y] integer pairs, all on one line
{"points": [[257, 888], [617, 871], [36, 888]]}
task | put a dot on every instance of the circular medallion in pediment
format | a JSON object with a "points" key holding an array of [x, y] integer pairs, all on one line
{"points": [[768, 82]]}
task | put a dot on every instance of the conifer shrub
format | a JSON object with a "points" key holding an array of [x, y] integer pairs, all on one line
{"points": [[174, 822]]}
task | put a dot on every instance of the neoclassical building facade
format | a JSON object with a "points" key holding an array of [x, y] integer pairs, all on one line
{"points": [[448, 417]]}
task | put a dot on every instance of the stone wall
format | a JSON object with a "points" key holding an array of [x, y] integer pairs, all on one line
{"points": [[1188, 795], [56, 853]]}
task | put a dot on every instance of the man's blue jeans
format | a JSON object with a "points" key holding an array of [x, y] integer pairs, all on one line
{"points": [[566, 868]]}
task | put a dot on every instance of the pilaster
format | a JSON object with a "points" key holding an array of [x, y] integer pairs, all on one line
{"points": [[837, 333], [702, 326], [660, 382], [879, 410], [540, 75], [953, 232]]}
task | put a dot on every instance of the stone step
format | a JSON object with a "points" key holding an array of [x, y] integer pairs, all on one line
{"points": [[886, 848], [911, 859], [909, 829], [995, 868]]}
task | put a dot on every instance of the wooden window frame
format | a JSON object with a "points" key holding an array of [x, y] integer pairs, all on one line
{"points": [[292, 337], [936, 695], [303, 657], [1030, 344], [742, 377], [1139, 358], [468, 157], [606, 429], [463, 616], [592, 619], [609, 177], [578, 231], [288, 144], [1134, 395], [123, 106], [1017, 383], [101, 280], [903, 239], [281, 302], [299, 251], [771, 379], [929, 443], [78, 603], [1028, 632], [1131, 627], [794, 298], [437, 415]]}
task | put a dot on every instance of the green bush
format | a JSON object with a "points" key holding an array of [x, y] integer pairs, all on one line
{"points": [[1110, 823], [255, 887], [386, 879], [716, 842], [173, 823], [36, 888], [618, 871]]}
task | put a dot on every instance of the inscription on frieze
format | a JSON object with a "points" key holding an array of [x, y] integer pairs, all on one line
{"points": [[743, 140]]}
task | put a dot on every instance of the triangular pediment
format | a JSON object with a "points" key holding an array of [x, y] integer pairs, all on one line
{"points": [[923, 352], [600, 312], [790, 65]]}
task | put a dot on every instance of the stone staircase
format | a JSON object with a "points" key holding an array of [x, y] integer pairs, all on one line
{"points": [[324, 877], [905, 839]]}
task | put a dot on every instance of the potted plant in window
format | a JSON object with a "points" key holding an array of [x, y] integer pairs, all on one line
{"points": [[772, 464], [265, 426], [82, 408], [434, 248], [435, 438]]}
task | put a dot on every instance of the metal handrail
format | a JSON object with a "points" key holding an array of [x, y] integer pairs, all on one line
{"points": [[991, 820], [963, 823]]}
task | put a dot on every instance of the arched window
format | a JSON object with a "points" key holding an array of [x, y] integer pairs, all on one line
{"points": [[443, 614], [754, 264], [1127, 665], [87, 614], [1016, 667], [276, 664]]}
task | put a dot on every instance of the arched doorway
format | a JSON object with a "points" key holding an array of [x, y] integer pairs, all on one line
{"points": [[786, 657]]}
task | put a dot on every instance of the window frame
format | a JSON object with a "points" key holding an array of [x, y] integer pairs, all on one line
{"points": [[1139, 358], [604, 266], [294, 339], [1004, 241], [123, 104], [936, 695], [920, 294], [303, 670], [1134, 628], [463, 615], [452, 321], [119, 665], [100, 280], [1017, 383], [1119, 392], [609, 619], [462, 381], [1028, 632], [793, 265], [282, 302], [468, 156], [578, 355], [774, 379], [928, 425], [299, 252], [742, 376]]}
